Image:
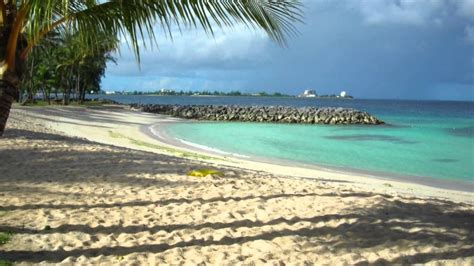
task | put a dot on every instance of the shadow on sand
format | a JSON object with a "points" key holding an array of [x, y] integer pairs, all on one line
{"points": [[393, 223], [373, 229]]}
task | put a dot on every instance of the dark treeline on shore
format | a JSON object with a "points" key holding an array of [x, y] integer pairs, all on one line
{"points": [[166, 92], [205, 93]]}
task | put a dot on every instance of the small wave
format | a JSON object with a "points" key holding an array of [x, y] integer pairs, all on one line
{"points": [[155, 132], [210, 149], [195, 145]]}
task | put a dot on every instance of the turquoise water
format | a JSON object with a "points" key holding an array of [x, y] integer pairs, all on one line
{"points": [[425, 138], [425, 146]]}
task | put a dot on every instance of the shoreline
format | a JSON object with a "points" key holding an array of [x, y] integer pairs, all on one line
{"points": [[87, 186], [161, 134], [79, 122]]}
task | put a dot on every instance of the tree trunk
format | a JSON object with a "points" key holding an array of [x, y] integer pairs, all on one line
{"points": [[45, 96], [65, 97], [48, 94], [83, 93], [45, 93], [10, 77], [67, 89], [81, 89], [8, 93], [67, 94]]}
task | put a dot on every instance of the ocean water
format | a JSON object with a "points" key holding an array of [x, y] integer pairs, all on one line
{"points": [[422, 138]]}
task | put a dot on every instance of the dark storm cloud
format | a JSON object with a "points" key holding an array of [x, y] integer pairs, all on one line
{"points": [[373, 49]]}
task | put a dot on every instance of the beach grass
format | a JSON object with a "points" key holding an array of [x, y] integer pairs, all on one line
{"points": [[116, 135], [5, 237], [175, 152], [5, 263]]}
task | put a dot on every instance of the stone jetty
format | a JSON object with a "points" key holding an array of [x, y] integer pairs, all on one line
{"points": [[269, 114]]}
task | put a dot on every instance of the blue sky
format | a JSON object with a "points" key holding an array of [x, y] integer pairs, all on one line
{"points": [[402, 49]]}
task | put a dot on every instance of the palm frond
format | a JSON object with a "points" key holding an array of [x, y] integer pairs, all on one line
{"points": [[136, 19]]}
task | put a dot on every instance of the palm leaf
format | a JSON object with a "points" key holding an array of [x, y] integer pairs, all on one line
{"points": [[136, 19]]}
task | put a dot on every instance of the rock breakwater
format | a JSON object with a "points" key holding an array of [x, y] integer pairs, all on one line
{"points": [[269, 114]]}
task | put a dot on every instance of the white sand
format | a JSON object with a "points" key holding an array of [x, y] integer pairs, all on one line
{"points": [[70, 200]]}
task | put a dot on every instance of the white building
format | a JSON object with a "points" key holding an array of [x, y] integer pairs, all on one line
{"points": [[309, 93], [343, 94], [163, 90]]}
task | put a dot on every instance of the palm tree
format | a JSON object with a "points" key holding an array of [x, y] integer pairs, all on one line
{"points": [[73, 58], [23, 23]]}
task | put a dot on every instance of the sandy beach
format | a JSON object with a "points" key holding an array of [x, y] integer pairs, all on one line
{"points": [[91, 185]]}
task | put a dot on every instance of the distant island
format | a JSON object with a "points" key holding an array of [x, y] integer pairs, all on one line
{"points": [[170, 92]]}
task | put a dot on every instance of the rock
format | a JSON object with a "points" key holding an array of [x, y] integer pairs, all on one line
{"points": [[275, 114]]}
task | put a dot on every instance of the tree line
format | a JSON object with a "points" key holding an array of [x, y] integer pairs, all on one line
{"points": [[205, 93], [62, 69]]}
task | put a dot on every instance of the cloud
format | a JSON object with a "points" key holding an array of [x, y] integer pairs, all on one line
{"points": [[372, 48], [416, 12], [193, 50], [192, 60], [465, 8], [412, 12], [469, 30]]}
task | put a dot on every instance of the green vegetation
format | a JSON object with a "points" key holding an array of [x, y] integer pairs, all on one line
{"points": [[5, 263], [204, 172], [5, 237], [204, 93], [116, 135], [175, 152], [61, 67], [63, 45]]}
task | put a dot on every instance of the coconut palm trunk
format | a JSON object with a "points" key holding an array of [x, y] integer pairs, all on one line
{"points": [[9, 90], [8, 94], [10, 64]]}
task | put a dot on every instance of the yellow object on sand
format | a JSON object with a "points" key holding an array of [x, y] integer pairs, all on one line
{"points": [[204, 172]]}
